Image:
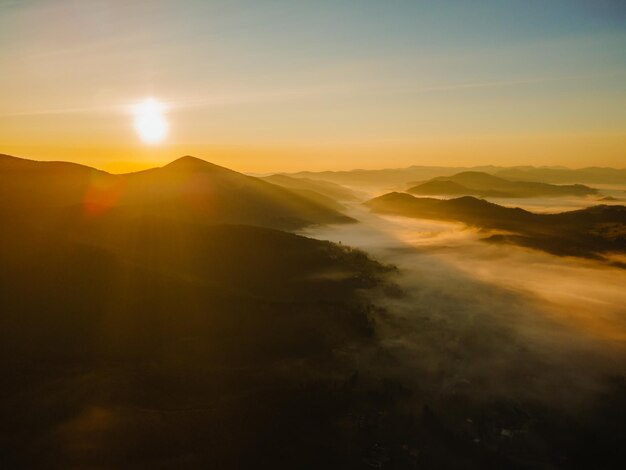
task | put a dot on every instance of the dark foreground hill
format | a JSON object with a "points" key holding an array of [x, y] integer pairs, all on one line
{"points": [[589, 232], [136, 332], [186, 189], [139, 342], [475, 183]]}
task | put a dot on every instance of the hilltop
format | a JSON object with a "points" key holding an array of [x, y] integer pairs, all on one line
{"points": [[475, 183], [188, 188]]}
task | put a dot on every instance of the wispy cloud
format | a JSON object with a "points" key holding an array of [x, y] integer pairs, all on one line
{"points": [[234, 98]]}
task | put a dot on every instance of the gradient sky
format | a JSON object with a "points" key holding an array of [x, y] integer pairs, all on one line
{"points": [[268, 85]]}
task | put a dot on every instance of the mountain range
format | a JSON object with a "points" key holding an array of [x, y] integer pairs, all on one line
{"points": [[589, 175], [398, 177], [325, 193], [188, 188], [475, 183], [168, 319], [591, 232]]}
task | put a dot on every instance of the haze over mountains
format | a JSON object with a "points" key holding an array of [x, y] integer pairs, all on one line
{"points": [[474, 183], [184, 189], [184, 296], [172, 318], [335, 191], [399, 177], [586, 232], [324, 192], [386, 178], [133, 318], [589, 175]]}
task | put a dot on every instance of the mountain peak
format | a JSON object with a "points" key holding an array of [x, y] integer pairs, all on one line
{"points": [[193, 163], [186, 160]]}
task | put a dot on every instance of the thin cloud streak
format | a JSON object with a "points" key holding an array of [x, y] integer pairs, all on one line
{"points": [[274, 96]]}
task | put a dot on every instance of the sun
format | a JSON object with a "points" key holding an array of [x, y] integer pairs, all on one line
{"points": [[150, 121]]}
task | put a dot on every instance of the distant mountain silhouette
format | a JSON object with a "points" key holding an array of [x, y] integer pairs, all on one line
{"points": [[586, 232], [305, 190], [387, 178], [438, 187], [590, 175], [186, 188], [474, 183], [326, 189], [398, 177]]}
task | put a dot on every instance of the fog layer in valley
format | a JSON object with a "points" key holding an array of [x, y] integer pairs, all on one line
{"points": [[173, 319], [490, 320]]}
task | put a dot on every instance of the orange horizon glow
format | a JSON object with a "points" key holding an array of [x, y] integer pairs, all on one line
{"points": [[334, 88], [572, 151]]}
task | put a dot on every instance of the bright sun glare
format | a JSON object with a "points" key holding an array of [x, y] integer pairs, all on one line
{"points": [[150, 121]]}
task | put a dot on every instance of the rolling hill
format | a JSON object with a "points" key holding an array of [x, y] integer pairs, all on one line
{"points": [[188, 188], [589, 232], [386, 178], [127, 327], [398, 177], [137, 331], [129, 333], [331, 190], [474, 183]]}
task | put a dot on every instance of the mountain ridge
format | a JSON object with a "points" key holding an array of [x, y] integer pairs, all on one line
{"points": [[482, 184], [591, 232], [188, 187]]}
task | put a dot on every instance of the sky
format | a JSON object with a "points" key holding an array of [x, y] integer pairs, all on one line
{"points": [[285, 85]]}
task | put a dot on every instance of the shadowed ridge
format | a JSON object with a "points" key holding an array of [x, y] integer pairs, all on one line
{"points": [[188, 188], [29, 189], [470, 202], [477, 183], [324, 188], [396, 196], [10, 162], [561, 175], [477, 177], [590, 233], [438, 186], [465, 209]]}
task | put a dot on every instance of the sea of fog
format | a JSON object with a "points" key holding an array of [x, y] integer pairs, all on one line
{"points": [[493, 320]]}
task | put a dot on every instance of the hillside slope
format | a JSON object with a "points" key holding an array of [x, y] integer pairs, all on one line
{"points": [[334, 191], [122, 332], [188, 188]]}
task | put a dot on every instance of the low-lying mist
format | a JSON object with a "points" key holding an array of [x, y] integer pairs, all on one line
{"points": [[492, 322]]}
